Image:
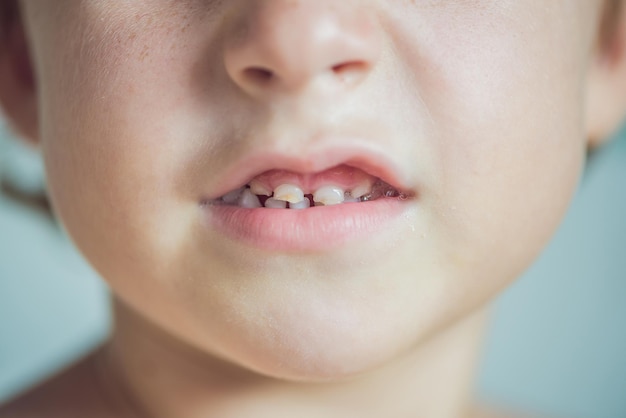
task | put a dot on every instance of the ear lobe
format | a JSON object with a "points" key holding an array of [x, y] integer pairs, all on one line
{"points": [[18, 94], [606, 83]]}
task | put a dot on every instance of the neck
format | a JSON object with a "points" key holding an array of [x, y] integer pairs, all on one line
{"points": [[160, 376]]}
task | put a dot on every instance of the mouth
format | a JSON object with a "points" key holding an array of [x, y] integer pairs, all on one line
{"points": [[294, 208], [280, 189]]}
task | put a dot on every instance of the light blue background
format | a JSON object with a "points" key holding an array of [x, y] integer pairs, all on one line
{"points": [[557, 342]]}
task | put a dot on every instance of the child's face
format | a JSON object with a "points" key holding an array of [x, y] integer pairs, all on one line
{"points": [[148, 109]]}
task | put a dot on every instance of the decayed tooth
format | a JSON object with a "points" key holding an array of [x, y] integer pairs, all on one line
{"points": [[361, 190], [249, 200], [306, 203], [259, 189], [232, 197], [289, 193], [275, 203], [329, 195]]}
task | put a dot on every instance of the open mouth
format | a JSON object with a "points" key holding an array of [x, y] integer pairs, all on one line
{"points": [[279, 189], [284, 209], [290, 196]]}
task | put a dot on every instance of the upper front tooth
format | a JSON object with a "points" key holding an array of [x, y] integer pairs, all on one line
{"points": [[329, 195], [361, 189], [259, 189], [289, 193]]}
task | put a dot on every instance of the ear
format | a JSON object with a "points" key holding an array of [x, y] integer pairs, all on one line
{"points": [[606, 94], [18, 95]]}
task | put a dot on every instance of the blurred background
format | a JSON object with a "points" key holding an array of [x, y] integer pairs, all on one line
{"points": [[556, 345]]}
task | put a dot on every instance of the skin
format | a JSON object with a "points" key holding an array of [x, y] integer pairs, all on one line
{"points": [[486, 107]]}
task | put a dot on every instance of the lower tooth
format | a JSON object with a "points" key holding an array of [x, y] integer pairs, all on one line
{"points": [[350, 199], [306, 203], [275, 203], [249, 200]]}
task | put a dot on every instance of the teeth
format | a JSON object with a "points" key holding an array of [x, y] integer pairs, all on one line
{"points": [[361, 190], [259, 189], [249, 200], [293, 197], [380, 189], [275, 203], [329, 195], [232, 197], [349, 199], [306, 203], [289, 193]]}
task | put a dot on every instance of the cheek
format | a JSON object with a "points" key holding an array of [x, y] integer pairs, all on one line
{"points": [[113, 156], [503, 112], [122, 132]]}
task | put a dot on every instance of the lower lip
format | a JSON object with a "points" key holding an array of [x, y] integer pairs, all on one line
{"points": [[316, 229]]}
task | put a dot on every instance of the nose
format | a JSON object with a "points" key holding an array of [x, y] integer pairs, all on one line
{"points": [[283, 46]]}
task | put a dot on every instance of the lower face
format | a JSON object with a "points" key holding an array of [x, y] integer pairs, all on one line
{"points": [[470, 113]]}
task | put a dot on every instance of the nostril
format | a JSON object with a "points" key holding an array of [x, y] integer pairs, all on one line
{"points": [[349, 66], [350, 70], [258, 75], [347, 73]]}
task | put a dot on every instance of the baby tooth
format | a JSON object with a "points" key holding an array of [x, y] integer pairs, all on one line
{"points": [[259, 189], [232, 197], [275, 203], [306, 203], [350, 199], [361, 190], [289, 193], [329, 195], [249, 200]]}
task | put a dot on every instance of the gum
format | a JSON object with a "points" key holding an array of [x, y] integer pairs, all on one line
{"points": [[343, 176]]}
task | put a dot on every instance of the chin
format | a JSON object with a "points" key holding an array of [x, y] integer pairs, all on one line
{"points": [[320, 345], [316, 363]]}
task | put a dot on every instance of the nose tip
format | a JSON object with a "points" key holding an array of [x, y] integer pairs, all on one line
{"points": [[286, 45]]}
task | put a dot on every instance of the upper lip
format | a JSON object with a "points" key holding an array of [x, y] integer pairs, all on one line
{"points": [[373, 162]]}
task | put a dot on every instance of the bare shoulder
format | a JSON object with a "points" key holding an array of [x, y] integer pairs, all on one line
{"points": [[73, 393]]}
